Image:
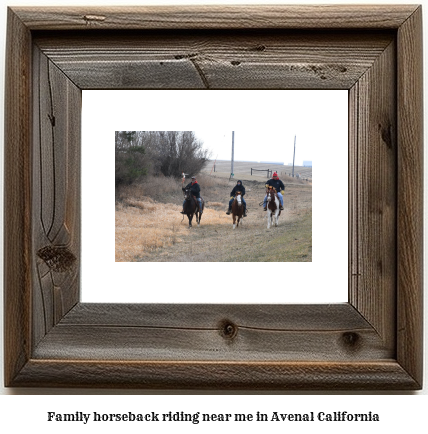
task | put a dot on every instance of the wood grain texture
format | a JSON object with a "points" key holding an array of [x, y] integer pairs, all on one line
{"points": [[373, 179], [372, 342], [216, 59], [210, 316], [385, 375], [17, 199], [410, 197], [56, 194], [199, 332], [217, 17]]}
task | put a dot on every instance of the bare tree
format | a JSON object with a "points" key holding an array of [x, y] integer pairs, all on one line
{"points": [[166, 152], [174, 152]]}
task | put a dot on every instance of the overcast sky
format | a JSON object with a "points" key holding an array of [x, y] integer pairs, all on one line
{"points": [[256, 145], [265, 122]]}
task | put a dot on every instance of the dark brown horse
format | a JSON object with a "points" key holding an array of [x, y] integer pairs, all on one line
{"points": [[191, 207], [237, 209], [272, 206]]}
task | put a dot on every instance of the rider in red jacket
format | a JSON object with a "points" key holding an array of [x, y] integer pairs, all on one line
{"points": [[279, 187]]}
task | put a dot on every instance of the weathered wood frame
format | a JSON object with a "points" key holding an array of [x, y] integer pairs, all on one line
{"points": [[372, 342]]}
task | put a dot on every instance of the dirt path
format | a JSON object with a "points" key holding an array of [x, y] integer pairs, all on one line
{"points": [[291, 241]]}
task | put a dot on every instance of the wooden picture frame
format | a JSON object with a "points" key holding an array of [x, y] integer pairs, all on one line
{"points": [[372, 342]]}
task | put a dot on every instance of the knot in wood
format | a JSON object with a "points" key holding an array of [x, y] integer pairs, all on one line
{"points": [[58, 259], [351, 340], [227, 329], [386, 134]]}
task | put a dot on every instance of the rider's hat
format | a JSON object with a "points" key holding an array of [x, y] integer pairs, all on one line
{"points": [[275, 175], [193, 177]]}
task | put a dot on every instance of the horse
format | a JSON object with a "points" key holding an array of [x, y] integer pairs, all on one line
{"points": [[272, 206], [191, 207], [237, 209]]}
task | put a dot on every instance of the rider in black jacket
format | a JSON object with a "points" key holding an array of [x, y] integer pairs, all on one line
{"points": [[238, 187], [279, 187], [195, 189]]}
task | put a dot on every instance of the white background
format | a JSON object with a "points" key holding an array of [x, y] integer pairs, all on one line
{"points": [[398, 412], [325, 138]]}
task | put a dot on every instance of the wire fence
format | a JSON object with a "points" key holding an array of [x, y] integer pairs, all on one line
{"points": [[268, 171]]}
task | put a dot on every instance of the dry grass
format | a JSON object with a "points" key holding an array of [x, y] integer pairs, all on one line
{"points": [[143, 226], [156, 187], [242, 169], [212, 181], [149, 226], [216, 205]]}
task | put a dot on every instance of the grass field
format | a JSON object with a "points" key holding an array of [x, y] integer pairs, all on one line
{"points": [[242, 169], [144, 227], [149, 226]]}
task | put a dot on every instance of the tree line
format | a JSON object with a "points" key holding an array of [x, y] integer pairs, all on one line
{"points": [[170, 153]]}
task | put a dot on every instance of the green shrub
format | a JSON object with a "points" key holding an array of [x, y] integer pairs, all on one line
{"points": [[131, 161]]}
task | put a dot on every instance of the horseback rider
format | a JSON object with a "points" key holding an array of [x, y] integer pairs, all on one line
{"points": [[195, 190], [278, 185], [238, 187]]}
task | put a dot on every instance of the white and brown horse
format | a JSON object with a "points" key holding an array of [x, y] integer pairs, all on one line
{"points": [[273, 210], [237, 209]]}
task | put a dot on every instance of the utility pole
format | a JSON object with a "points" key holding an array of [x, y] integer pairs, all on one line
{"points": [[233, 149], [294, 154], [215, 161]]}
